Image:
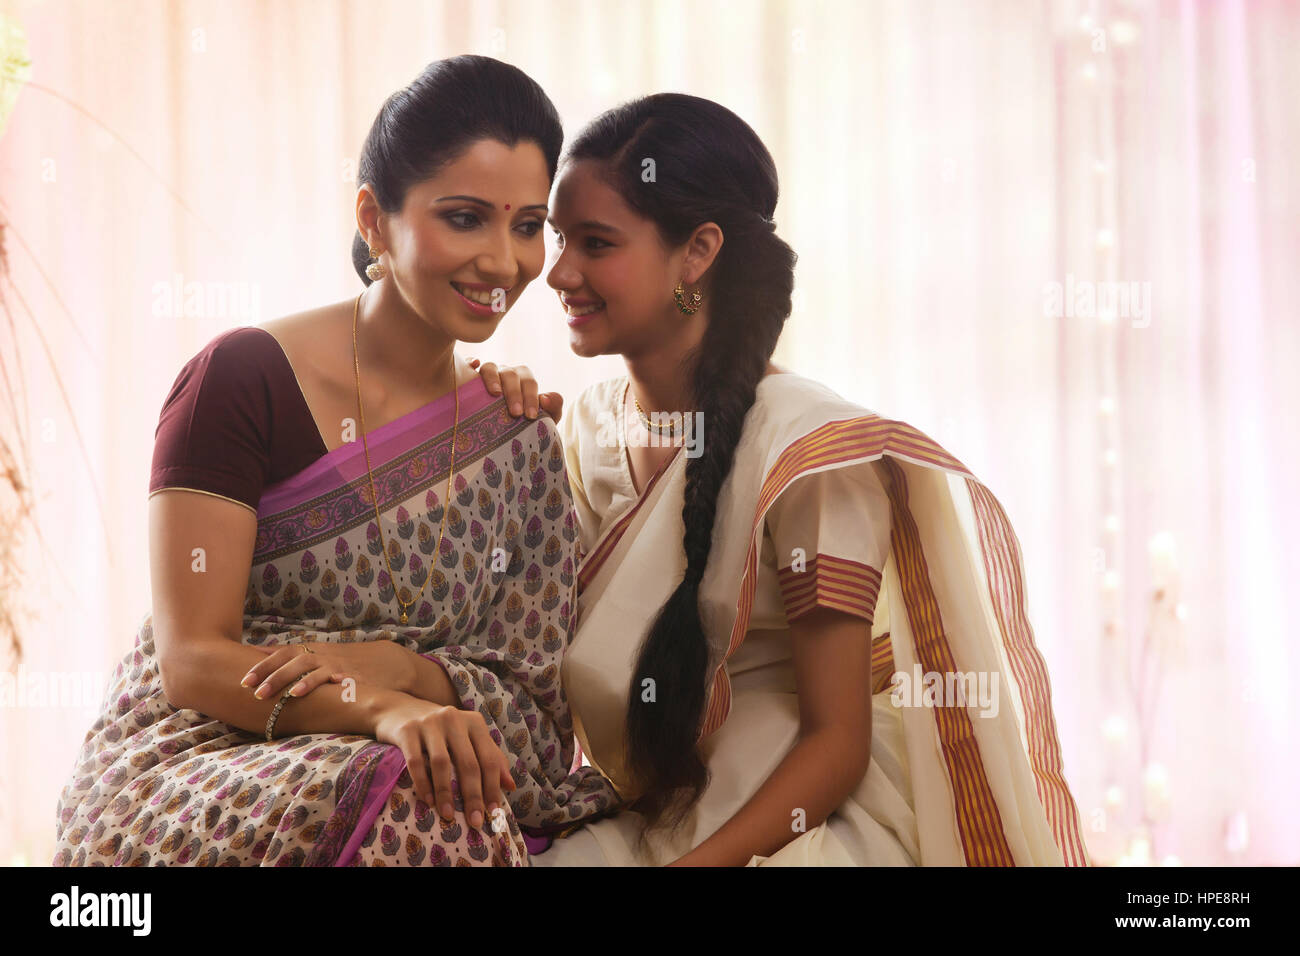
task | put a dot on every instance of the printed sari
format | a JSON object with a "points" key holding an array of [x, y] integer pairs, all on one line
{"points": [[154, 784], [888, 527]]}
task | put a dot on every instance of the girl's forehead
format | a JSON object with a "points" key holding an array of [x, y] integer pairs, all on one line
{"points": [[580, 191], [571, 177]]}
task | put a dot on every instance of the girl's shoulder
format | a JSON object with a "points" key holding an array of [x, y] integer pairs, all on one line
{"points": [[596, 404], [787, 400], [793, 413], [601, 396]]}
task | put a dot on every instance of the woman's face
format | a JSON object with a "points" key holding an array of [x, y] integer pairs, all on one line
{"points": [[614, 276], [471, 232]]}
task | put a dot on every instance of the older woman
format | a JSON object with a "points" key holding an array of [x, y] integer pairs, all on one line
{"points": [[363, 564]]}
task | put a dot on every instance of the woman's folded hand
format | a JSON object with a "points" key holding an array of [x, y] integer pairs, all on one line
{"points": [[436, 739], [380, 663]]}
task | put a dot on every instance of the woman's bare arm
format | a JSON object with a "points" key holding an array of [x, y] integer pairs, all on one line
{"points": [[200, 555], [832, 663]]}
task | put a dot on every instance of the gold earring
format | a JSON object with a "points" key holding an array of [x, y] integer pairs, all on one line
{"points": [[375, 271], [696, 299]]}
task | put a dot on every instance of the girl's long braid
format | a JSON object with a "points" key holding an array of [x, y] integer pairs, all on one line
{"points": [[709, 166], [750, 300]]}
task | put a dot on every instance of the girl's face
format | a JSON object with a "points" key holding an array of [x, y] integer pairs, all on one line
{"points": [[613, 274], [468, 240]]}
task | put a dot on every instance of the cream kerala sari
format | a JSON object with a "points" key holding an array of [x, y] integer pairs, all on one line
{"points": [[890, 518]]}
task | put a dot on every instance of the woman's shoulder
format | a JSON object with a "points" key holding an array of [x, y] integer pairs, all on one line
{"points": [[245, 350], [250, 353], [213, 431], [234, 362], [242, 375]]}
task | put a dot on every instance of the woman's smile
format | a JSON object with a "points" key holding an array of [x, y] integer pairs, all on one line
{"points": [[479, 297]]}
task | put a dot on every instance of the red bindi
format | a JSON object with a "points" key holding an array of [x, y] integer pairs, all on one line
{"points": [[507, 205]]}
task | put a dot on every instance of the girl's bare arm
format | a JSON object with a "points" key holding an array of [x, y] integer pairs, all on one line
{"points": [[832, 662]]}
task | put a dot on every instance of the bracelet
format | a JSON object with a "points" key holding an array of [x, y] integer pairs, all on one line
{"points": [[275, 711]]}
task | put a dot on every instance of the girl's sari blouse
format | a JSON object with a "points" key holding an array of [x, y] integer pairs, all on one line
{"points": [[825, 542]]}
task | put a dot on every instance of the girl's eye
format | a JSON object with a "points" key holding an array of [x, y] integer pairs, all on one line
{"points": [[457, 220], [591, 240]]}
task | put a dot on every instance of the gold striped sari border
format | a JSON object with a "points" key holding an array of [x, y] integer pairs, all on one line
{"points": [[832, 443], [1003, 567], [979, 822], [592, 563]]}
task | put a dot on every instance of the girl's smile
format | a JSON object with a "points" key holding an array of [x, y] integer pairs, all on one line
{"points": [[581, 311]]}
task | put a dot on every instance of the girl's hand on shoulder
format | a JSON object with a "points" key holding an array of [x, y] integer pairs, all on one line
{"points": [[381, 663], [519, 386]]}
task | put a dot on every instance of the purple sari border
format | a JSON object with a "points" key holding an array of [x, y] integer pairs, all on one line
{"points": [[388, 441], [417, 469], [384, 779], [364, 787], [536, 845]]}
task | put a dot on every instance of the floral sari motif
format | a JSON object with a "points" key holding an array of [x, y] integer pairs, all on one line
{"points": [[154, 784]]}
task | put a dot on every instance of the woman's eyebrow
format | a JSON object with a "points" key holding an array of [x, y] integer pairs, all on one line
{"points": [[484, 202]]}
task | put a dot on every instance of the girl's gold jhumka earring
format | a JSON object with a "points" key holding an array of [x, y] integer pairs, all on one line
{"points": [[696, 299], [375, 271]]}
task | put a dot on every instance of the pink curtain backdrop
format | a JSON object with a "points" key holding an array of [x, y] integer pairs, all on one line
{"points": [[967, 183]]}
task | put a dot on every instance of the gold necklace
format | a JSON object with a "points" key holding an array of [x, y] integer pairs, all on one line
{"points": [[451, 470], [653, 426]]}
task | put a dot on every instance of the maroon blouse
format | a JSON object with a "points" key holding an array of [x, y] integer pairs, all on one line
{"points": [[235, 421]]}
